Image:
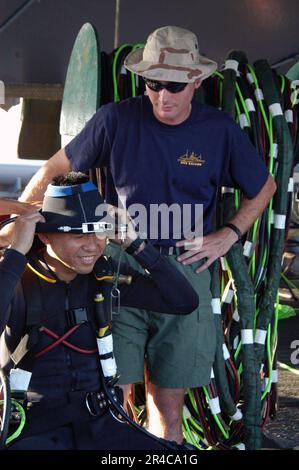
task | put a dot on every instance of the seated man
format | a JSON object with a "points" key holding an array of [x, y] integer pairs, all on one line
{"points": [[55, 315]]}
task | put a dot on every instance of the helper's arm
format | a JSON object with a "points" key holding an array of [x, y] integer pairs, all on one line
{"points": [[35, 189], [58, 164]]}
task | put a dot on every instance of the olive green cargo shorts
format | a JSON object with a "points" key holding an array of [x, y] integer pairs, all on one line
{"points": [[179, 349]]}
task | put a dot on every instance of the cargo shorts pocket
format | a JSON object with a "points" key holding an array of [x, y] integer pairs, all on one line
{"points": [[206, 344]]}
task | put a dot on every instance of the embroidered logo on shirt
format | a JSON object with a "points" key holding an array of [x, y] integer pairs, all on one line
{"points": [[191, 159]]}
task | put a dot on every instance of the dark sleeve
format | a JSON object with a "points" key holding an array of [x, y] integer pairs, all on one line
{"points": [[11, 270], [165, 289], [246, 169], [91, 147]]}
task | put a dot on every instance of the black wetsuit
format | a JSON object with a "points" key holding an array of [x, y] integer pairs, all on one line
{"points": [[61, 378]]}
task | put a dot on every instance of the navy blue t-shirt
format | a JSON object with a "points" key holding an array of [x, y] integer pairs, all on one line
{"points": [[152, 163]]}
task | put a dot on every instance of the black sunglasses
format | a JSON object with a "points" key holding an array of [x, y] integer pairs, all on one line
{"points": [[172, 87]]}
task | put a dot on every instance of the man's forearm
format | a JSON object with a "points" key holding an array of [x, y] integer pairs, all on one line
{"points": [[218, 243], [250, 209], [36, 187], [56, 165]]}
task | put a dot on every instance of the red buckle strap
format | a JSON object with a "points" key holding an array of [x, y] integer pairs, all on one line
{"points": [[62, 340]]}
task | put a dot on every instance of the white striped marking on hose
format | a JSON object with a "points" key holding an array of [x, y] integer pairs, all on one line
{"points": [[225, 351], [275, 109], [231, 64], [227, 189], [260, 336], [236, 315], [291, 185], [216, 305], [288, 114], [250, 105], [259, 94], [247, 336], [247, 249], [237, 416], [214, 405], [243, 121], [279, 221]]}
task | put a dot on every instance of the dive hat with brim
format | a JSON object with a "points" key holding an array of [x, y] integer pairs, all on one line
{"points": [[73, 209], [171, 54]]}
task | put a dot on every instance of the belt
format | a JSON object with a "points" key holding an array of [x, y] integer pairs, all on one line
{"points": [[170, 250], [77, 406], [93, 403]]}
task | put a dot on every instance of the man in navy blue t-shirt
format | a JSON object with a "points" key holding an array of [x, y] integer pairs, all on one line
{"points": [[165, 151]]}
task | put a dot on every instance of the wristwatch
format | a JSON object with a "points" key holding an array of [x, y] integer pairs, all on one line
{"points": [[235, 229], [134, 246]]}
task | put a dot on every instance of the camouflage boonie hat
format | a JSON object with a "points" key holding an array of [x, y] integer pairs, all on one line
{"points": [[170, 54]]}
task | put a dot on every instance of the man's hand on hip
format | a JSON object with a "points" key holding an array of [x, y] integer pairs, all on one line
{"points": [[210, 247]]}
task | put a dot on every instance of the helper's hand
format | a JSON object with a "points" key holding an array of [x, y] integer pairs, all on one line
{"points": [[24, 230], [210, 247], [11, 206]]}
